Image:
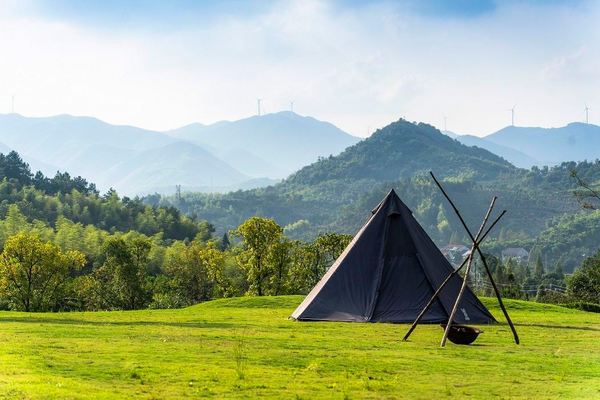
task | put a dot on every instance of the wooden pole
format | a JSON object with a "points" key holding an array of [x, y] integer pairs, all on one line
{"points": [[439, 289], [467, 270], [487, 270], [500, 302]]}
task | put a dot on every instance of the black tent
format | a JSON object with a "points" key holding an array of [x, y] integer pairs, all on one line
{"points": [[387, 274]]}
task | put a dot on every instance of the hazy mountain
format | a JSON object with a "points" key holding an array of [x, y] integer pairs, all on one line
{"points": [[550, 146], [451, 134], [514, 156], [529, 146], [178, 163], [252, 165], [34, 164], [223, 156], [61, 137], [127, 158], [249, 184], [272, 145]]}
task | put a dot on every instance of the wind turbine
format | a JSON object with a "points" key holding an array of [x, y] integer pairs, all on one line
{"points": [[445, 124], [587, 114], [512, 115], [291, 106], [258, 105]]}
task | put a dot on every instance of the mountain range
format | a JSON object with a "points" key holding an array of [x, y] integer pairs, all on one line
{"points": [[529, 146], [256, 151], [332, 191], [335, 193], [398, 152], [262, 145], [137, 161]]}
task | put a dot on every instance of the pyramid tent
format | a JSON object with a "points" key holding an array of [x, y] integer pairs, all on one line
{"points": [[388, 273]]}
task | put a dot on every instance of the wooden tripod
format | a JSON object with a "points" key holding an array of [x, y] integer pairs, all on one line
{"points": [[468, 261]]}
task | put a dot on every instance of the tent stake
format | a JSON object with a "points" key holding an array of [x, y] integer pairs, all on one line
{"points": [[467, 270], [487, 270], [439, 289]]}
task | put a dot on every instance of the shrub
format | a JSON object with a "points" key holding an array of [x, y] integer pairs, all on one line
{"points": [[584, 284], [583, 306]]}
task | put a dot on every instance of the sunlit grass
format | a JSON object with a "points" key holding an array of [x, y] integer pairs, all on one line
{"points": [[247, 348]]}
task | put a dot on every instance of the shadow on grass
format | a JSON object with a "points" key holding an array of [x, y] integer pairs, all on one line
{"points": [[570, 327], [68, 321]]}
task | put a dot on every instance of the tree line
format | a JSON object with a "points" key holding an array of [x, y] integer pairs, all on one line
{"points": [[48, 199], [539, 280], [76, 267], [72, 266]]}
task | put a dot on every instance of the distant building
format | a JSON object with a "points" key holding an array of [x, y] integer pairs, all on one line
{"points": [[455, 253], [516, 253]]}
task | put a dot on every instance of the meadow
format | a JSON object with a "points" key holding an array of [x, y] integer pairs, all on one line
{"points": [[247, 348]]}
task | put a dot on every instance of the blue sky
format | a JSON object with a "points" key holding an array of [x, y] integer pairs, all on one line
{"points": [[357, 64], [175, 14]]}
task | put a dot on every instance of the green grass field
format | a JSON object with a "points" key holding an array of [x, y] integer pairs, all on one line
{"points": [[247, 348]]}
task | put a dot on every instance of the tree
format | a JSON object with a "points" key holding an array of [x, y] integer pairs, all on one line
{"points": [[332, 245], [298, 229], [443, 226], [311, 260], [13, 167], [279, 258], [558, 268], [511, 288], [539, 268], [258, 235], [584, 284], [33, 272], [214, 260], [121, 281], [225, 243], [14, 222], [586, 194], [194, 270], [307, 267], [499, 274]]}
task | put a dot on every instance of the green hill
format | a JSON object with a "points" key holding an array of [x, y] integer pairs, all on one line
{"points": [[318, 191], [337, 192], [400, 150], [247, 348]]}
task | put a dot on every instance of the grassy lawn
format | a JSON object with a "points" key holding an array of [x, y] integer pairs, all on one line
{"points": [[247, 348]]}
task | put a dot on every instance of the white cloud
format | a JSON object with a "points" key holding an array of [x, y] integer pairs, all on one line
{"points": [[579, 67], [356, 67]]}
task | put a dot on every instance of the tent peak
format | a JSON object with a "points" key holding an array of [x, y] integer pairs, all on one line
{"points": [[392, 204]]}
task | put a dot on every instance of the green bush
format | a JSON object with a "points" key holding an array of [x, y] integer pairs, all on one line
{"points": [[583, 306], [584, 284]]}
